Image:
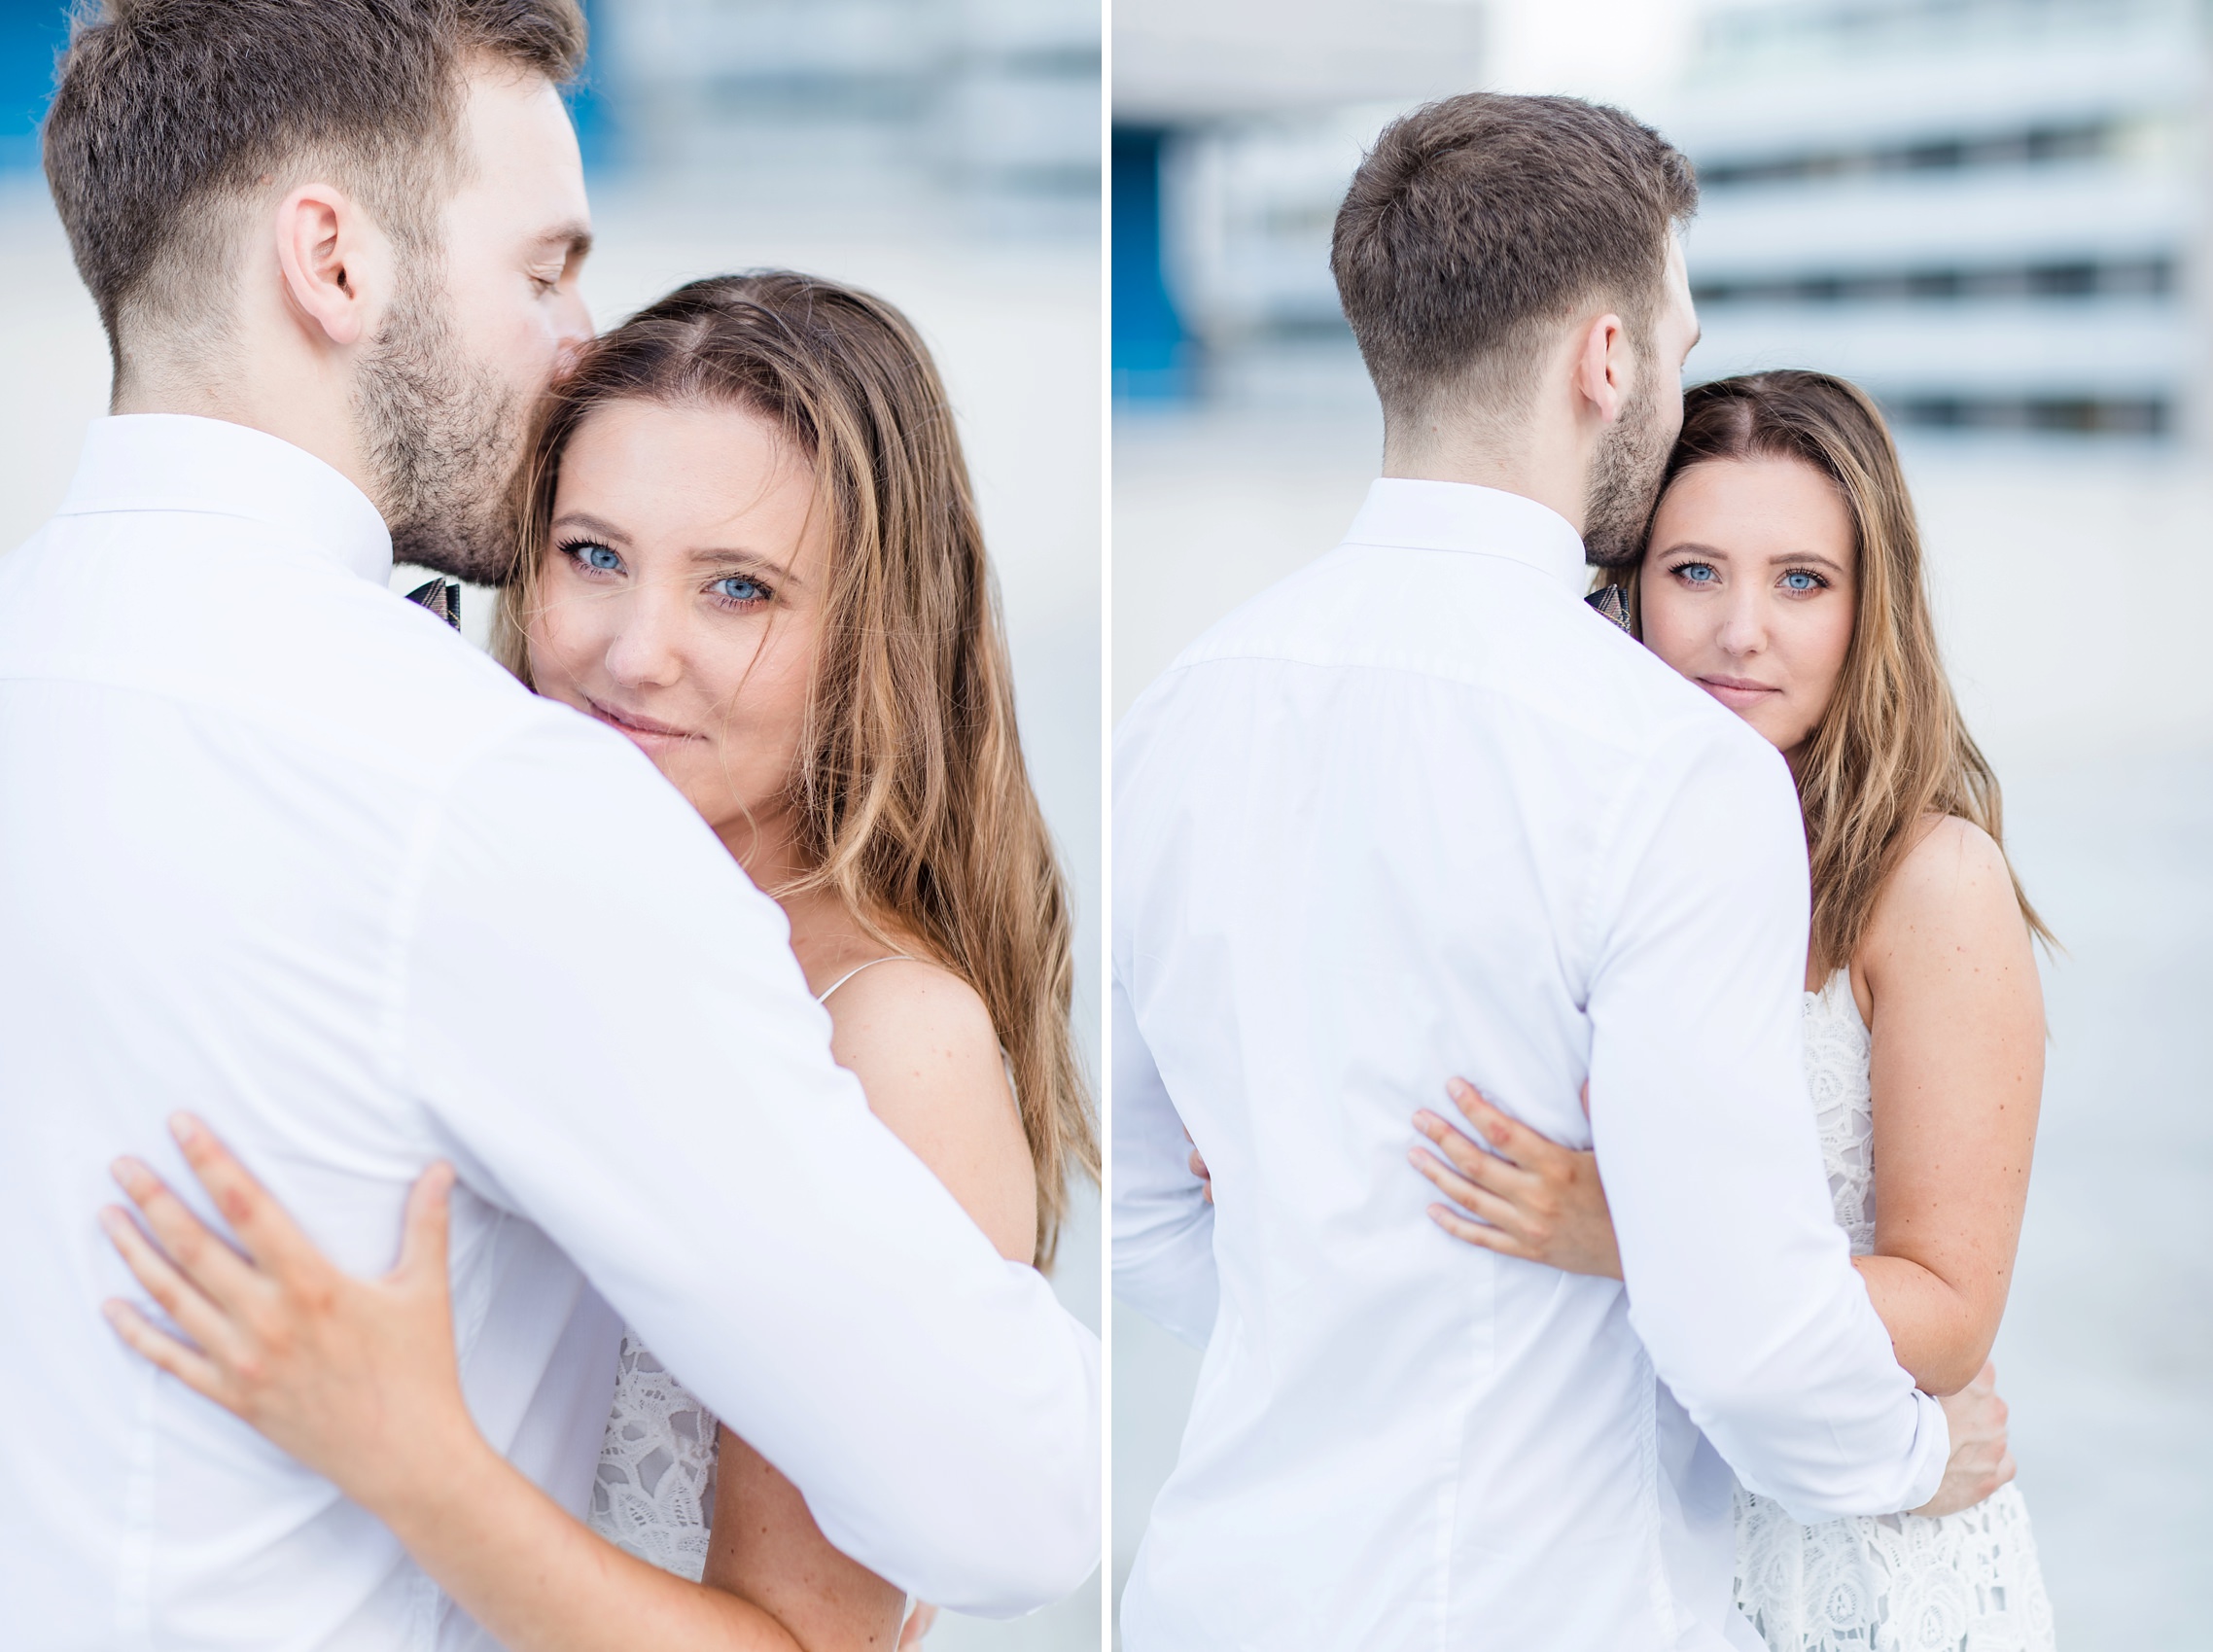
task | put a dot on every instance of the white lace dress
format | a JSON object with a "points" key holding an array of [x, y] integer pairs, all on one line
{"points": [[655, 1494], [1967, 1582]]}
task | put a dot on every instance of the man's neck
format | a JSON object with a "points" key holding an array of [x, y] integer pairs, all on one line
{"points": [[319, 425], [1554, 474]]}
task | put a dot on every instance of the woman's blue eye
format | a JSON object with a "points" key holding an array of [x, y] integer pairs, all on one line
{"points": [[739, 587], [1698, 573], [598, 556], [1798, 580]]}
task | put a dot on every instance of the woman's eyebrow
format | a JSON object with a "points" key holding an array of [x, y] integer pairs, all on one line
{"points": [[1830, 563], [1694, 548], [606, 531], [742, 558]]}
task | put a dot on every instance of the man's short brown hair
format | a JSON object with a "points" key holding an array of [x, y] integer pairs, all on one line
{"points": [[1477, 222], [170, 111]]}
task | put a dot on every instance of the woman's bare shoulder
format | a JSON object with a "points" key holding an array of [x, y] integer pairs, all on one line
{"points": [[912, 1009], [1951, 893], [921, 1041]]}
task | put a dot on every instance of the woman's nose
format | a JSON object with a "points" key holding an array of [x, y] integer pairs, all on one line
{"points": [[644, 650], [1744, 630]]}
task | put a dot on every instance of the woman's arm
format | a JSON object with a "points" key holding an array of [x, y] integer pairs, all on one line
{"points": [[921, 1044], [1959, 1075], [358, 1378]]}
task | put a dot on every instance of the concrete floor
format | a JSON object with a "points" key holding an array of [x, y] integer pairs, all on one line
{"points": [[2066, 587], [1014, 324]]}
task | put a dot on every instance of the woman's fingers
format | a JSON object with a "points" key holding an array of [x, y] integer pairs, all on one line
{"points": [[198, 1318], [219, 1271], [266, 1232], [424, 1232], [1484, 1169], [1498, 1212], [1510, 1136], [188, 1365], [1490, 1238]]}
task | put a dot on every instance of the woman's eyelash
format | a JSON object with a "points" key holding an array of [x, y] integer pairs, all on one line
{"points": [[579, 550], [761, 591]]}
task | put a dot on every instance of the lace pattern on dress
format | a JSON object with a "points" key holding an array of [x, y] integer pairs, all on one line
{"points": [[654, 1493], [1838, 1057], [1967, 1582]]}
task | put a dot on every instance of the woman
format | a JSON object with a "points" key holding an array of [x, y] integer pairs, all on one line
{"points": [[750, 546], [1783, 575]]}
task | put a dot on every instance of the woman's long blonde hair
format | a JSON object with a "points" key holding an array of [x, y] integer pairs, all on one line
{"points": [[913, 803], [1890, 750]]}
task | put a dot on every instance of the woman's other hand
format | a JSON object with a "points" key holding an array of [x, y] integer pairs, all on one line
{"points": [[1530, 1198], [1981, 1461], [1199, 1169], [355, 1377]]}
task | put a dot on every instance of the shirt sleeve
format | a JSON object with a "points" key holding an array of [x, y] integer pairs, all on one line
{"points": [[1164, 1227], [606, 1018], [1739, 1282]]}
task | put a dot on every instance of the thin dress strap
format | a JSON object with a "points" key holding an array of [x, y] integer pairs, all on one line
{"points": [[823, 997]]}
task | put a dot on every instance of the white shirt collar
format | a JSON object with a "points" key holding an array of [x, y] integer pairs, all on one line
{"points": [[176, 462], [1428, 516]]}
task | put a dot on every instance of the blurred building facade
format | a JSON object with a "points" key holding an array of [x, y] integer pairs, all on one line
{"points": [[1237, 123], [900, 109], [909, 102], [1991, 213]]}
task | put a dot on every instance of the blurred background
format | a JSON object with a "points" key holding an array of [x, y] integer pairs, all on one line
{"points": [[1993, 215], [942, 153]]}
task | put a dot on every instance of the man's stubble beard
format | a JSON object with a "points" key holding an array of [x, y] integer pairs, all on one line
{"points": [[1624, 480], [443, 438]]}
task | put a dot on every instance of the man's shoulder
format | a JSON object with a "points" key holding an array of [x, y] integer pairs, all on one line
{"points": [[1492, 635]]}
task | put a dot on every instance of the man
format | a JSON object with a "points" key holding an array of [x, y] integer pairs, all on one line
{"points": [[281, 849], [1419, 811]]}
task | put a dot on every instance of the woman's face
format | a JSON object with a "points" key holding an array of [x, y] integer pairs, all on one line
{"points": [[680, 600], [1747, 588]]}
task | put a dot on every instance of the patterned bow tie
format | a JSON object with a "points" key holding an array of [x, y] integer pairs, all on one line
{"points": [[442, 597], [1609, 601]]}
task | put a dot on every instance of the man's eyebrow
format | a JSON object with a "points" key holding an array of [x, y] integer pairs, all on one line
{"points": [[576, 235]]}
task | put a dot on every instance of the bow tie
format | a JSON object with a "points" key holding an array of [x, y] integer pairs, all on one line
{"points": [[1607, 599], [442, 597]]}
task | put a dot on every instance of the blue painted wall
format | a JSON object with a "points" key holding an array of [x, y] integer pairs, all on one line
{"points": [[31, 32], [1152, 354]]}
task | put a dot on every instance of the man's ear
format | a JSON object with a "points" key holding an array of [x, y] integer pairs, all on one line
{"points": [[332, 259], [1605, 367]]}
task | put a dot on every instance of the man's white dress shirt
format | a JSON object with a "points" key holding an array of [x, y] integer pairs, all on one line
{"points": [[1418, 812], [278, 847]]}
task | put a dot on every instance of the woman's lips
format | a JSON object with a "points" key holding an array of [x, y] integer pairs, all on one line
{"points": [[1738, 694], [649, 734]]}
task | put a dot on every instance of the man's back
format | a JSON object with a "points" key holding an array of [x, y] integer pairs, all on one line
{"points": [[218, 759], [1375, 830], [284, 851]]}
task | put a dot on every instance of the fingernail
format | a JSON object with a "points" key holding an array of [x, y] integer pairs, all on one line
{"points": [[185, 1128], [113, 1221], [110, 1310], [127, 1171]]}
